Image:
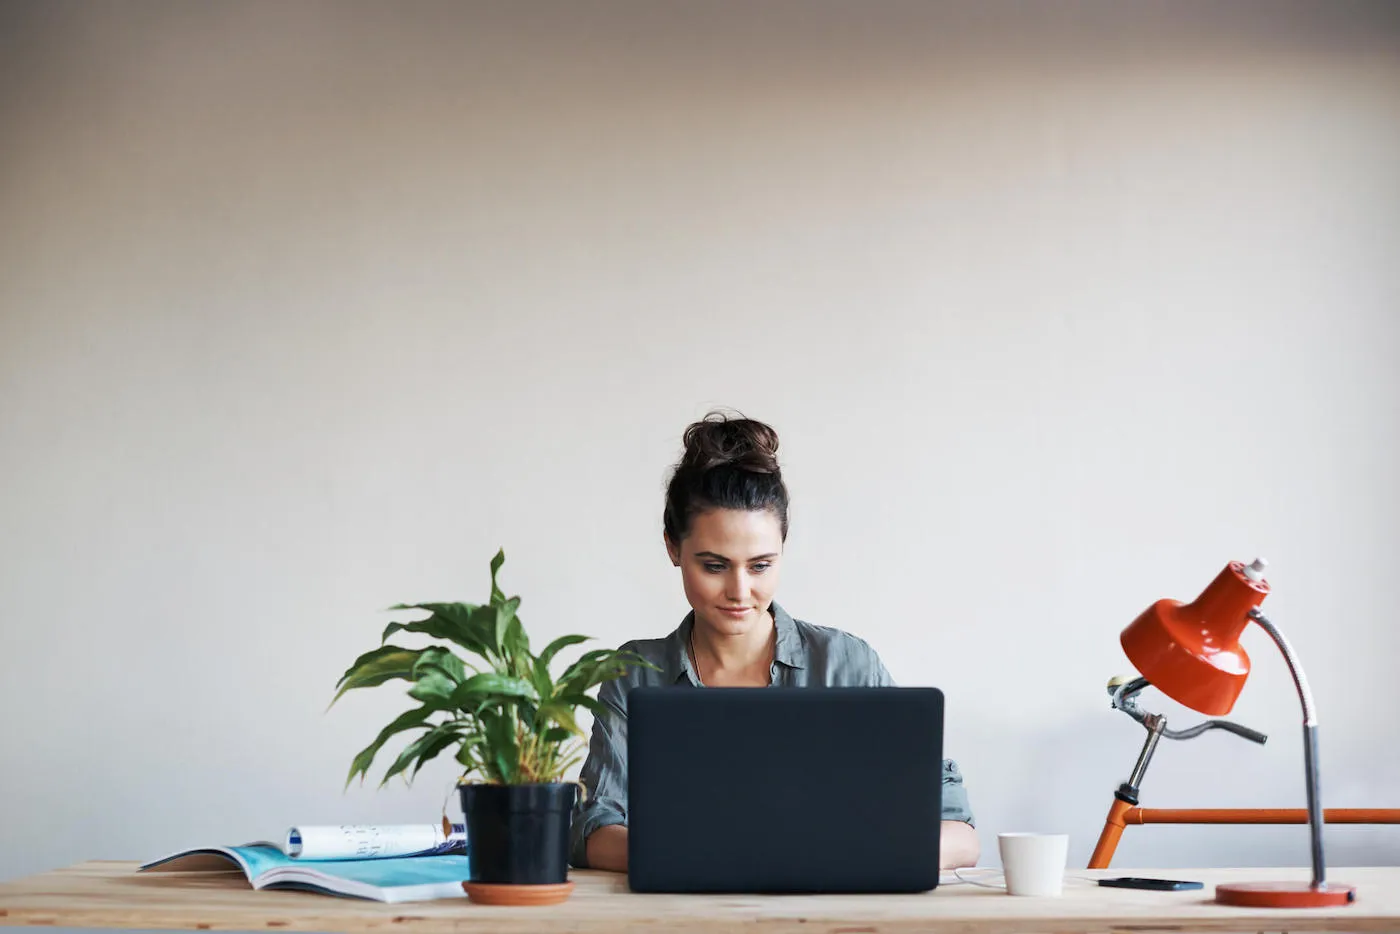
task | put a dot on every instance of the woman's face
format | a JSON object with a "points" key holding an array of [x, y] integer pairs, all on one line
{"points": [[729, 566]]}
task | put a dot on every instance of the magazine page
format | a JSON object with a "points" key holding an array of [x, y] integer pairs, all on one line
{"points": [[413, 878], [373, 841]]}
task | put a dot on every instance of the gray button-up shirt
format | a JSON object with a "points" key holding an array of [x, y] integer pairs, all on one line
{"points": [[805, 655]]}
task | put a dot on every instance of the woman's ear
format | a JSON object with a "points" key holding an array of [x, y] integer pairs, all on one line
{"points": [[672, 549]]}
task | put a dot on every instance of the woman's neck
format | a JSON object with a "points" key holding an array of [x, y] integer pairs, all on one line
{"points": [[720, 656]]}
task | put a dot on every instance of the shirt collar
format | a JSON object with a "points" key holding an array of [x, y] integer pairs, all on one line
{"points": [[679, 656], [789, 650]]}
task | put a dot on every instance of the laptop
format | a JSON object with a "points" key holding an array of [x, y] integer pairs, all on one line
{"points": [[768, 790]]}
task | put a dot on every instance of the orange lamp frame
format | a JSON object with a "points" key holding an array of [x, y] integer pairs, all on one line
{"points": [[1192, 653], [1122, 814]]}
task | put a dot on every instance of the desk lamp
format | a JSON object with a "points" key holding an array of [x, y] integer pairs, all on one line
{"points": [[1192, 653]]}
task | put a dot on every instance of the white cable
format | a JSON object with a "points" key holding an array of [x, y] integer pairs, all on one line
{"points": [[1001, 886], [986, 885]]}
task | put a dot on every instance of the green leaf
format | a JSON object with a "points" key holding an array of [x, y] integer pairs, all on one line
{"points": [[584, 662], [496, 563], [480, 624], [591, 656], [434, 689], [514, 640], [557, 734], [539, 677], [505, 614], [420, 747], [488, 686], [601, 657], [562, 642], [405, 721], [451, 622], [563, 715], [593, 705], [593, 668], [502, 750], [440, 659], [465, 753], [431, 751], [505, 773], [377, 666]]}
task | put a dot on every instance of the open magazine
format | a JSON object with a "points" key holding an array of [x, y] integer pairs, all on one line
{"points": [[386, 864], [359, 841]]}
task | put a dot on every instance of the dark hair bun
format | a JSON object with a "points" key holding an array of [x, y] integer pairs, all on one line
{"points": [[730, 462], [721, 441]]}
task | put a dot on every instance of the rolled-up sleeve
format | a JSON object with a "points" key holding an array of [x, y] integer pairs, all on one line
{"points": [[955, 803], [604, 774]]}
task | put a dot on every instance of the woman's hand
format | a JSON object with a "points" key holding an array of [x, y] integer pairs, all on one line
{"points": [[607, 848], [957, 845]]}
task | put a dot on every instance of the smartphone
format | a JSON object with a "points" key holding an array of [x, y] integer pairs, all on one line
{"points": [[1156, 885]]}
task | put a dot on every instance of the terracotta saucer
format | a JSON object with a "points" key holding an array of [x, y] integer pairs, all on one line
{"points": [[484, 893]]}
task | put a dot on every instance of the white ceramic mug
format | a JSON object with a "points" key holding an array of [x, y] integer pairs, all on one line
{"points": [[1033, 863]]}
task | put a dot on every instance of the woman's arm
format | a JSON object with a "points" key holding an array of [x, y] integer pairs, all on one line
{"points": [[607, 848], [957, 845], [957, 838], [604, 774]]}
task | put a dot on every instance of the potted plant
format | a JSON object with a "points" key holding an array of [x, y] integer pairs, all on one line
{"points": [[509, 722]]}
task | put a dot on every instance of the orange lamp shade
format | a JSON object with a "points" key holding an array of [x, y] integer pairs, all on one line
{"points": [[1191, 651]]}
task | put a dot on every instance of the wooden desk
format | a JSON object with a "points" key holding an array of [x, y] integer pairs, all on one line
{"points": [[114, 895]]}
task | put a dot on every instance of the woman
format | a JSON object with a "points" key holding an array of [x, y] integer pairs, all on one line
{"points": [[726, 520]]}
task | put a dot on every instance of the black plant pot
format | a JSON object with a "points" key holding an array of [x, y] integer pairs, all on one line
{"points": [[518, 834]]}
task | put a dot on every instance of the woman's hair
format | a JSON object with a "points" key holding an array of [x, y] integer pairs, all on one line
{"points": [[730, 462]]}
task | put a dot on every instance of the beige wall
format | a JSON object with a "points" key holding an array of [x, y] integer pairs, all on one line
{"points": [[306, 308]]}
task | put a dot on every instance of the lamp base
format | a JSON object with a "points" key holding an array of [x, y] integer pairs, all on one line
{"points": [[1284, 895]]}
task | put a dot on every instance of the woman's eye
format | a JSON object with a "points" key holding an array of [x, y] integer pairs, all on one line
{"points": [[714, 568], [759, 568]]}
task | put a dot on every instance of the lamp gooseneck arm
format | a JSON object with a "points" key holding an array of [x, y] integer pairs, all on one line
{"points": [[1300, 680]]}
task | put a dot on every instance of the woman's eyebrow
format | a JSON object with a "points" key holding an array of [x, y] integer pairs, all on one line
{"points": [[711, 554]]}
